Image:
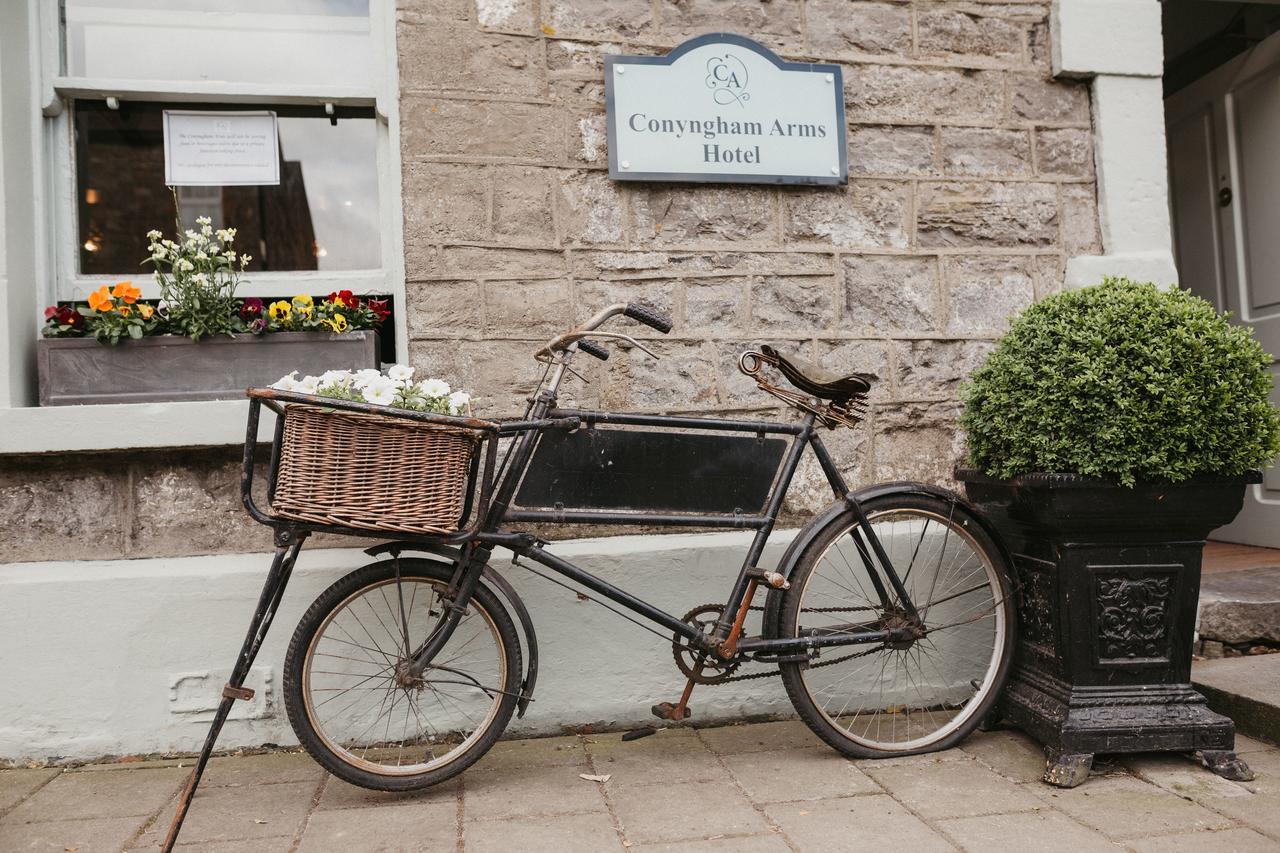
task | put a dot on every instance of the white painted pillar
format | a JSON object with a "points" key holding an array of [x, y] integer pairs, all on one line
{"points": [[1118, 44]]}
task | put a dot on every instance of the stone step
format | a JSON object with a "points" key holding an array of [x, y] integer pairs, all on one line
{"points": [[1246, 689], [1241, 606]]}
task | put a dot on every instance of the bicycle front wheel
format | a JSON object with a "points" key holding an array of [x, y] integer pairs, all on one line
{"points": [[903, 698], [354, 706]]}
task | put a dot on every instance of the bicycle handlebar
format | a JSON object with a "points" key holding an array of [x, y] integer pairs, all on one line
{"points": [[650, 317], [593, 350]]}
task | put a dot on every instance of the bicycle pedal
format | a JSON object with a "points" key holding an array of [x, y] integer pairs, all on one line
{"points": [[667, 711]]}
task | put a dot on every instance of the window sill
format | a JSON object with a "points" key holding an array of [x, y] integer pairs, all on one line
{"points": [[64, 429]]}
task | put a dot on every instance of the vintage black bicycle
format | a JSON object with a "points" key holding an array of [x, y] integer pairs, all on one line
{"points": [[888, 616]]}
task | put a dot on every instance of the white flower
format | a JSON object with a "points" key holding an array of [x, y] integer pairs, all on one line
{"points": [[191, 235], [153, 235], [309, 385], [336, 377], [458, 402], [244, 259], [363, 378], [201, 256], [185, 265], [380, 392], [434, 388], [231, 256], [400, 372], [226, 235], [203, 220], [288, 382]]}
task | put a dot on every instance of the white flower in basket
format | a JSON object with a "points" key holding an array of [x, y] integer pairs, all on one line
{"points": [[394, 388]]}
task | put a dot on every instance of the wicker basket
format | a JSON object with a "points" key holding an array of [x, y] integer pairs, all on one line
{"points": [[373, 472]]}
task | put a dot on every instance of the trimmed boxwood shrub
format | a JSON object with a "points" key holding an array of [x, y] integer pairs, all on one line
{"points": [[1125, 382]]}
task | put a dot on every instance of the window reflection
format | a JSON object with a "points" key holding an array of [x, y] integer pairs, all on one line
{"points": [[322, 216]]}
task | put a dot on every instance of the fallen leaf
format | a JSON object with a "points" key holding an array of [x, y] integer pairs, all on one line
{"points": [[593, 778], [802, 814], [258, 820]]}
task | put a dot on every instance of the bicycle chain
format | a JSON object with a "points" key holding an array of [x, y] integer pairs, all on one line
{"points": [[777, 673]]}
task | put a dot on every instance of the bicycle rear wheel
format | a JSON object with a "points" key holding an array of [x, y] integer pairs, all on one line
{"points": [[880, 700], [350, 702]]}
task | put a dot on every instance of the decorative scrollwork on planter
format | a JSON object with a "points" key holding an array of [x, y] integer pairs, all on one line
{"points": [[1133, 616], [1039, 600]]}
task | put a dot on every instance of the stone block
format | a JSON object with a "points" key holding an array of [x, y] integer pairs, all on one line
{"points": [[799, 303], [568, 58], [440, 127], [189, 503], [694, 215], [522, 203], [776, 23], [521, 309], [447, 56], [863, 215], [1080, 230], [419, 10], [890, 294], [654, 293], [933, 369], [802, 774], [444, 201], [735, 389], [953, 789], [716, 304], [499, 373], [845, 357], [604, 19], [421, 258], [443, 306], [810, 491], [1049, 270], [1065, 152], [1040, 47], [986, 152], [1055, 831], [858, 823], [578, 93], [891, 150], [917, 94], [514, 16], [984, 291], [987, 214], [717, 264], [946, 32], [1036, 98], [589, 138], [680, 810], [590, 208], [838, 28], [72, 507], [499, 262], [917, 441], [684, 378]]}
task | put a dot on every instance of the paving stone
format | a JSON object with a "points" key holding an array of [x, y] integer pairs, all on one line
{"points": [[1031, 832], [683, 811], [798, 774], [270, 768], [953, 789], [343, 795], [1182, 776], [18, 784], [535, 752], [105, 795], [1011, 754], [1244, 745], [273, 844], [81, 836], [1125, 807], [676, 755], [423, 826], [526, 791], [759, 737], [855, 823], [732, 844], [1225, 841], [239, 814], [585, 833]]}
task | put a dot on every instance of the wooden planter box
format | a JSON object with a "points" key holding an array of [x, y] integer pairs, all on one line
{"points": [[75, 371]]}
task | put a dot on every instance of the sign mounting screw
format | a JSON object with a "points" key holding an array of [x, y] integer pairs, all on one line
{"points": [[626, 164], [831, 78], [622, 69], [835, 170]]}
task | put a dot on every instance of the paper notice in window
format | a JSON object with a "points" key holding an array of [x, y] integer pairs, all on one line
{"points": [[220, 148]]}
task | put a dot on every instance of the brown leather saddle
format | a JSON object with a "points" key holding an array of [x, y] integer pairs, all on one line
{"points": [[817, 381]]}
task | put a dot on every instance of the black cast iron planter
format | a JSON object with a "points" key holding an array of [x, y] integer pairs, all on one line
{"points": [[1108, 580]]}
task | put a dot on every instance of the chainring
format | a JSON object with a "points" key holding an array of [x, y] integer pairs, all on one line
{"points": [[701, 667]]}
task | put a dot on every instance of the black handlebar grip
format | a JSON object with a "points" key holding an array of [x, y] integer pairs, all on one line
{"points": [[593, 349], [648, 316]]}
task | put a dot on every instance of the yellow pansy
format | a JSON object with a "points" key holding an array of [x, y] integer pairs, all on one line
{"points": [[338, 323], [280, 310], [302, 299]]}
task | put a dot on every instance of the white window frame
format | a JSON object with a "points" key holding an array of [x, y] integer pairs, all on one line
{"points": [[25, 428]]}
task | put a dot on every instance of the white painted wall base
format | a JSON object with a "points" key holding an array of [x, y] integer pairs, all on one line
{"points": [[120, 657]]}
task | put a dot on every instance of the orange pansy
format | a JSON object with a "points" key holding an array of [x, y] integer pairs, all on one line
{"points": [[146, 311], [126, 291], [100, 299], [124, 310]]}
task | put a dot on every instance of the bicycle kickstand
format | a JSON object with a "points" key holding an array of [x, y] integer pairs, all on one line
{"points": [[287, 546]]}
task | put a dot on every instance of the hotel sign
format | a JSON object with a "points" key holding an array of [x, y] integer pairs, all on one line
{"points": [[721, 108]]}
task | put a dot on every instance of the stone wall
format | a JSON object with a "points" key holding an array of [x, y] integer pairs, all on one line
{"points": [[970, 183]]}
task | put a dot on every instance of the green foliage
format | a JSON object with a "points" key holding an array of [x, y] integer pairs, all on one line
{"points": [[1126, 382]]}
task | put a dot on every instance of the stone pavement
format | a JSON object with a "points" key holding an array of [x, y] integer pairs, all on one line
{"points": [[762, 787]]}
